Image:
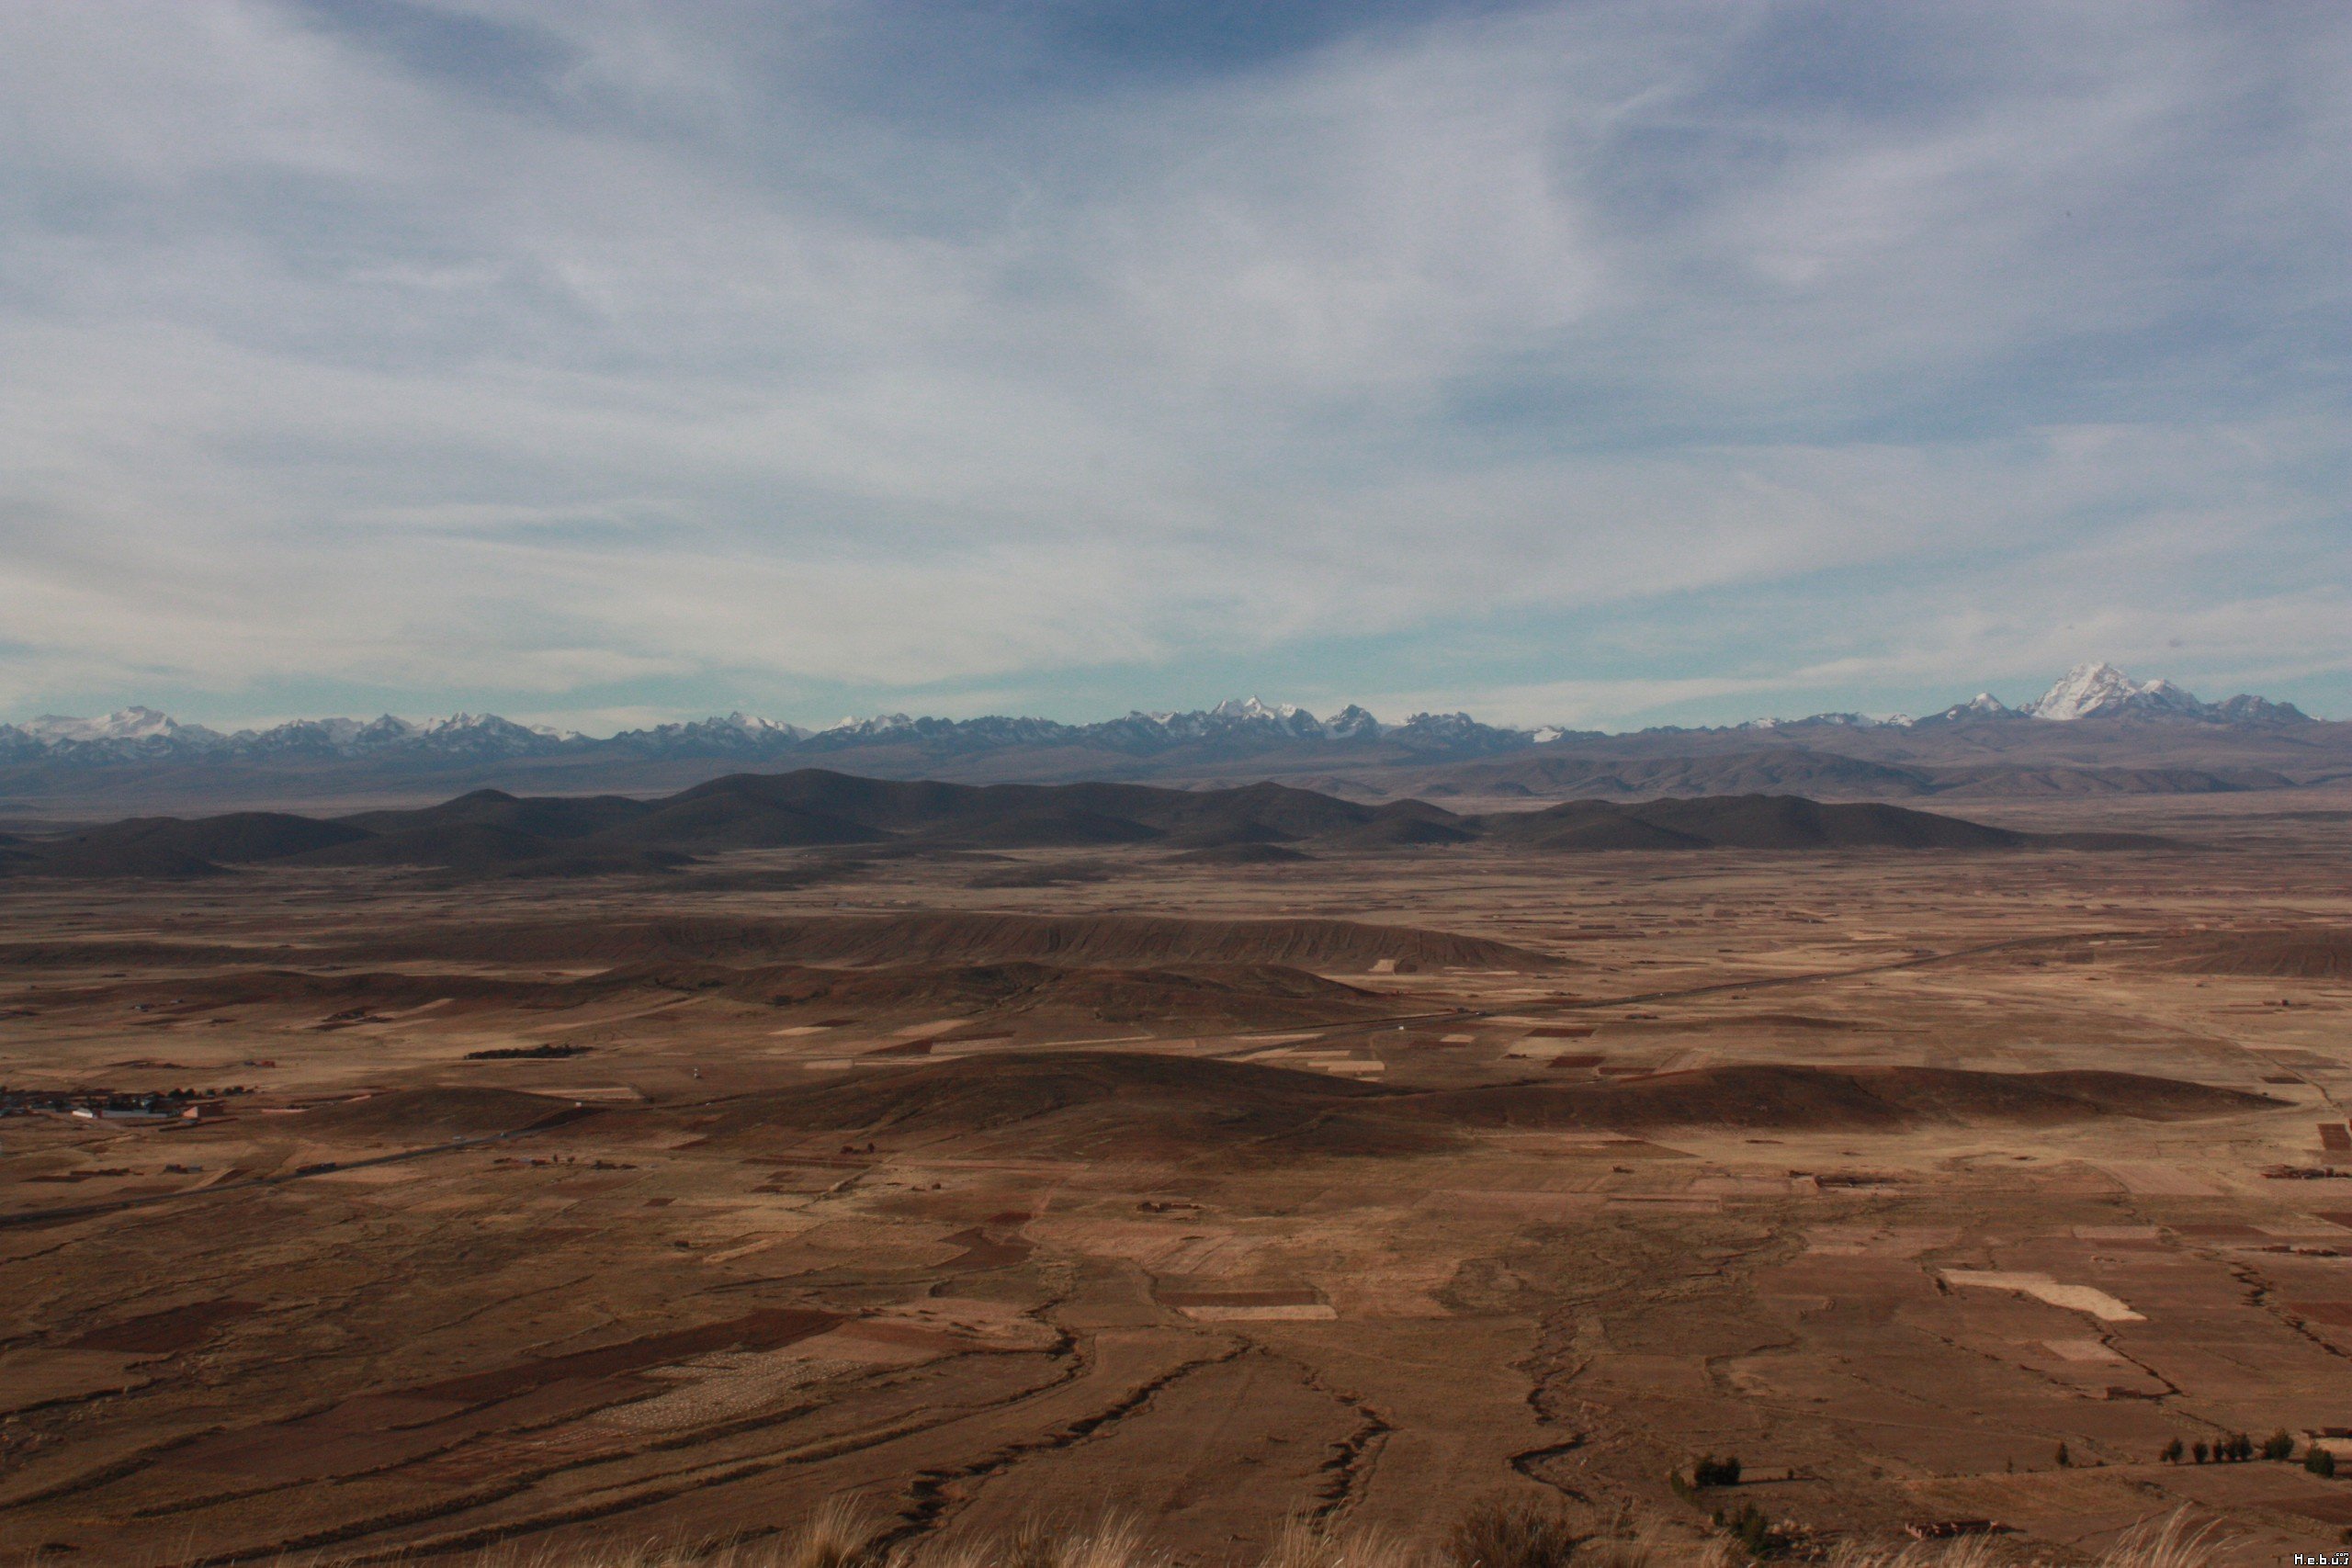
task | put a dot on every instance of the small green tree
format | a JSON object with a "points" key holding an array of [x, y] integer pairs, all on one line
{"points": [[2241, 1447], [2065, 1458], [2278, 1445], [2319, 1462], [2198, 1451], [2172, 1452]]}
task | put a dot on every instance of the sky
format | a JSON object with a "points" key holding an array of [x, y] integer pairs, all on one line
{"points": [[601, 362]]}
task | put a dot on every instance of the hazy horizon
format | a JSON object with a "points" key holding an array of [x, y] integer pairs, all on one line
{"points": [[657, 717]]}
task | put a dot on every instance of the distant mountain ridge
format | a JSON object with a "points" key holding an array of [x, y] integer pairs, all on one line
{"points": [[2088, 690], [2096, 731], [142, 734]]}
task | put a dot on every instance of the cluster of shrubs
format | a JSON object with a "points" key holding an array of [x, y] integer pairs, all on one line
{"points": [[1746, 1525], [1707, 1471], [1756, 1533], [1520, 1532], [2237, 1448], [1510, 1532], [1712, 1472], [24, 1101]]}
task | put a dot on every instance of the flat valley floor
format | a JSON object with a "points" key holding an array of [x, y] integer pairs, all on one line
{"points": [[1030, 1185]]}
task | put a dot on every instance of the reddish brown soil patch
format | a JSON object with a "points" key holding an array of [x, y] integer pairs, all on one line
{"points": [[982, 1250], [913, 940], [1133, 1105], [2338, 1314], [2286, 956], [432, 1114], [166, 1333], [769, 1329]]}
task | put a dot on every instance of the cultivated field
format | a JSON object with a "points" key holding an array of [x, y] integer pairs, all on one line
{"points": [[1222, 1187]]}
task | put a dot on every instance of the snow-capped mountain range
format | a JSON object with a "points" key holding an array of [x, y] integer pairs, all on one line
{"points": [[2087, 692], [139, 733]]}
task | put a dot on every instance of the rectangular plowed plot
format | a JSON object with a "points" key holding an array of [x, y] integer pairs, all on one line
{"points": [[1242, 1306]]}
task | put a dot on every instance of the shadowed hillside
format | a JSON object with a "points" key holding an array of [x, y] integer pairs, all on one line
{"points": [[1184, 1102], [1771, 1095], [968, 938], [1243, 996]]}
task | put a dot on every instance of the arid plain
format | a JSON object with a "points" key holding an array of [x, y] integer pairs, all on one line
{"points": [[1220, 1186]]}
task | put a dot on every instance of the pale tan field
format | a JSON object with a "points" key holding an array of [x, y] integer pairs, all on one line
{"points": [[682, 1298]]}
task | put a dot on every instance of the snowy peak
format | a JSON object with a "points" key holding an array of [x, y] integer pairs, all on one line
{"points": [[1835, 721], [1982, 708], [486, 735], [2245, 709], [2092, 689], [384, 732], [1247, 710], [880, 724], [469, 725], [2101, 691], [748, 725], [124, 724]]}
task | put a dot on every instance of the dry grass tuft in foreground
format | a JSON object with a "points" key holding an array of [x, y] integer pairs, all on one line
{"points": [[1514, 1532], [1503, 1532]]}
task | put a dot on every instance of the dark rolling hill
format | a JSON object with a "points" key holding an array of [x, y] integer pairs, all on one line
{"points": [[1641, 768], [546, 817], [1746, 822], [1784, 1095], [489, 833], [1143, 1106]]}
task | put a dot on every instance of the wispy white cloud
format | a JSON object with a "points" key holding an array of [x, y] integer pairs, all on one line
{"points": [[615, 359]]}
